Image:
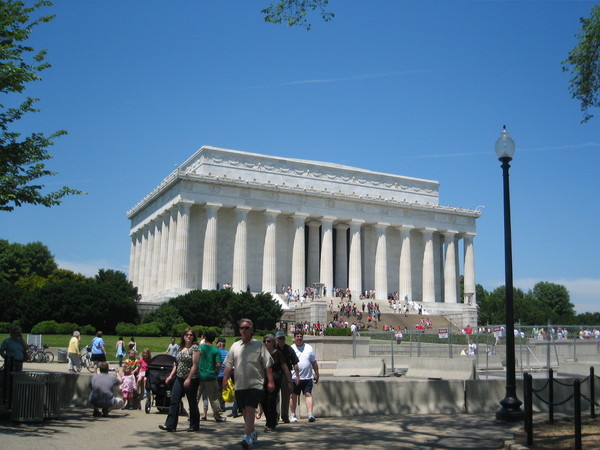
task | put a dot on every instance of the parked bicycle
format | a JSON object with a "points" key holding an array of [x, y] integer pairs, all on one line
{"points": [[40, 354]]}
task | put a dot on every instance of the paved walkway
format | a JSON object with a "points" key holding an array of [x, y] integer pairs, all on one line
{"points": [[78, 429]]}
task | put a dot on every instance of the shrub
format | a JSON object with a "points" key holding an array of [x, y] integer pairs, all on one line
{"points": [[124, 329], [337, 331], [45, 327], [5, 326], [149, 329], [177, 329], [200, 330], [67, 328], [87, 330]]}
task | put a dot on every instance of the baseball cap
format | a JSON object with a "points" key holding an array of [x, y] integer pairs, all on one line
{"points": [[280, 334]]}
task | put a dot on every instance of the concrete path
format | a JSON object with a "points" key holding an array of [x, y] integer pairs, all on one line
{"points": [[78, 429]]}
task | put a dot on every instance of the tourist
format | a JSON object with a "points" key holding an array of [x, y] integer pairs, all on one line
{"points": [[98, 350], [308, 371], [221, 346], [208, 369], [144, 361], [281, 375], [252, 362], [73, 353], [120, 346], [15, 347], [173, 348], [185, 381], [132, 345], [102, 385], [128, 387]]}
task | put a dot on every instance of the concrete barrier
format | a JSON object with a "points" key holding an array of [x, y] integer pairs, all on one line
{"points": [[442, 368], [577, 369], [360, 367]]}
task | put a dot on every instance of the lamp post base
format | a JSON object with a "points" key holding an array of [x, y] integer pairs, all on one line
{"points": [[510, 411]]}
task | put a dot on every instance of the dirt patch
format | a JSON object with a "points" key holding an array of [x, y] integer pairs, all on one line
{"points": [[561, 435]]}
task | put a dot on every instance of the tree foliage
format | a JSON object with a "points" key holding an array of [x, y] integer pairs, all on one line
{"points": [[583, 63], [556, 297], [295, 12], [22, 158], [18, 261]]}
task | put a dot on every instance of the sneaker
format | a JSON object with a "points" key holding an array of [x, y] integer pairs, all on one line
{"points": [[311, 418], [220, 419], [246, 441], [97, 413], [269, 430], [104, 412], [253, 437], [293, 418]]}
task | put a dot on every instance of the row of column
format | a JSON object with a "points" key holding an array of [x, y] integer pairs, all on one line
{"points": [[159, 255]]}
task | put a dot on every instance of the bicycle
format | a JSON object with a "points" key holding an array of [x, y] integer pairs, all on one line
{"points": [[86, 359], [40, 355]]}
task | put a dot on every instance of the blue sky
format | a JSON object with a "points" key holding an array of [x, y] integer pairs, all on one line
{"points": [[420, 89]]}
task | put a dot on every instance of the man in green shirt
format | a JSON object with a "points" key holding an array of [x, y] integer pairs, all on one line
{"points": [[208, 369]]}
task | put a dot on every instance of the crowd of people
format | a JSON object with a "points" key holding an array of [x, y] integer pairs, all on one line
{"points": [[269, 378]]}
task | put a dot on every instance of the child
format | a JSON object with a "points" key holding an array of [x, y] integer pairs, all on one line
{"points": [[102, 391], [132, 362], [144, 361], [128, 388]]}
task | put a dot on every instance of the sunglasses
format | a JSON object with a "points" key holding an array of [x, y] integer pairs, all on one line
{"points": [[188, 335], [267, 341], [244, 328]]}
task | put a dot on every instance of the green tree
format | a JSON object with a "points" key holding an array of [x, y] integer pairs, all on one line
{"points": [[18, 261], [118, 281], [206, 308], [294, 12], [583, 64], [260, 308], [556, 297], [22, 158]]}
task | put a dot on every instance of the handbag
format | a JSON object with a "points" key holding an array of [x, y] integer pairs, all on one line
{"points": [[228, 393]]}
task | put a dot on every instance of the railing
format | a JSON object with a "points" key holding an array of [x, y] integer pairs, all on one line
{"points": [[576, 396]]}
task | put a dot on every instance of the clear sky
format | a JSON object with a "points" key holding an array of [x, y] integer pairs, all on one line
{"points": [[415, 88]]}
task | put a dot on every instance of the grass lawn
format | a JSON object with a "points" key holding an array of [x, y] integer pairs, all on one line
{"points": [[155, 344]]}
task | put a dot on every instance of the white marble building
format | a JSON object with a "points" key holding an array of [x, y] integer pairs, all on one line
{"points": [[247, 219]]}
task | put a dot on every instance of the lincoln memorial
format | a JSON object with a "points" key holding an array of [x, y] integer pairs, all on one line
{"points": [[261, 222]]}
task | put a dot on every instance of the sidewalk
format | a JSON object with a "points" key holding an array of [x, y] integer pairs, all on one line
{"points": [[78, 429]]}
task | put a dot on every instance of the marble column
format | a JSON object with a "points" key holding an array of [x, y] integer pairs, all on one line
{"points": [[405, 271], [355, 263], [381, 287], [156, 255], [326, 269], [428, 266], [164, 247], [240, 249], [341, 256], [170, 273], [312, 266], [141, 267], [209, 255], [469, 271], [148, 260], [269, 275], [181, 246], [298, 259], [132, 258], [450, 267]]}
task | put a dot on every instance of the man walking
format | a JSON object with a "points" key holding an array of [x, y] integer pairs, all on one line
{"points": [[208, 369], [309, 370], [292, 362], [252, 362]]}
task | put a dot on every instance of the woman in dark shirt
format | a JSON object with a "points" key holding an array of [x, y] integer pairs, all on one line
{"points": [[281, 374]]}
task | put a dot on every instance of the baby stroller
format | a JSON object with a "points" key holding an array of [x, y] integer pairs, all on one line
{"points": [[158, 392]]}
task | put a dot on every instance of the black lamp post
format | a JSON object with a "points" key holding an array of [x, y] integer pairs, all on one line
{"points": [[511, 406]]}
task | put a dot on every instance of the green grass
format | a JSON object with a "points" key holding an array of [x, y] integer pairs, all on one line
{"points": [[155, 344]]}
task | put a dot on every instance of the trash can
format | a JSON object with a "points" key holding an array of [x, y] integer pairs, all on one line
{"points": [[53, 395], [62, 355], [29, 391]]}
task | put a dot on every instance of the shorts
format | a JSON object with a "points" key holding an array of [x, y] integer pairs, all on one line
{"points": [[98, 357], [142, 374], [305, 386], [249, 397], [127, 394]]}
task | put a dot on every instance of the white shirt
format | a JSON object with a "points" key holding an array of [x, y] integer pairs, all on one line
{"points": [[306, 356]]}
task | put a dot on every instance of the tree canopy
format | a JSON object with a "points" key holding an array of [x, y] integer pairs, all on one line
{"points": [[295, 12], [583, 63], [22, 158]]}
